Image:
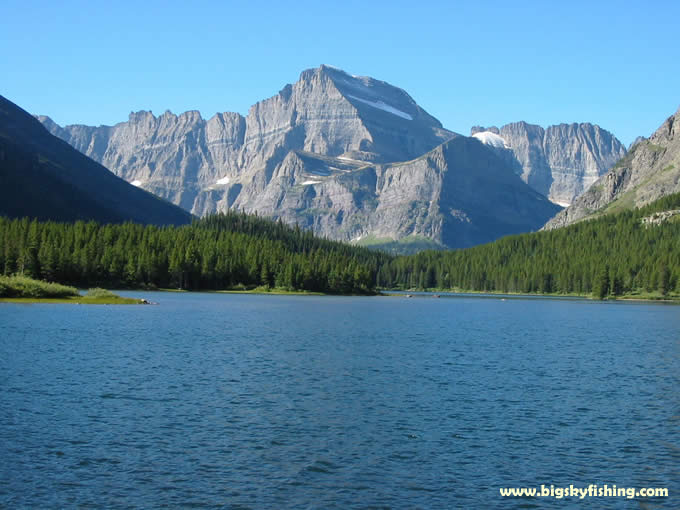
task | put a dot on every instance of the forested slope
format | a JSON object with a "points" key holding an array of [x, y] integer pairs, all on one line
{"points": [[615, 254], [632, 252], [219, 252]]}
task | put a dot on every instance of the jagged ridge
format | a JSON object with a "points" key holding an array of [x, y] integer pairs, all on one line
{"points": [[650, 170], [560, 162]]}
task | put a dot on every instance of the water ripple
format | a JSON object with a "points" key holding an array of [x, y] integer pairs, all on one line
{"points": [[220, 401]]}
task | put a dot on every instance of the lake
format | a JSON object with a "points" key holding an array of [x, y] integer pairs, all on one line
{"points": [[247, 401]]}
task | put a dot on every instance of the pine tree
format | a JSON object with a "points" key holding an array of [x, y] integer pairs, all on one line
{"points": [[664, 280]]}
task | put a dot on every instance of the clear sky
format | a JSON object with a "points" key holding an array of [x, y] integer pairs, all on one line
{"points": [[467, 63]]}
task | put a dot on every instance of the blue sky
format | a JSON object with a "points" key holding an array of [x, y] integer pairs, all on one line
{"points": [[467, 63]]}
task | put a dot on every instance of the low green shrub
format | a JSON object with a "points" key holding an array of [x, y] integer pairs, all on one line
{"points": [[100, 293], [18, 286]]}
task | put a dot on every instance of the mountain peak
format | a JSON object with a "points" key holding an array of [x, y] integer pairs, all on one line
{"points": [[372, 96], [141, 116], [347, 145], [47, 122], [326, 67]]}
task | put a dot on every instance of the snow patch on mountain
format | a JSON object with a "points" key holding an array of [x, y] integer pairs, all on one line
{"points": [[223, 180], [384, 107], [136, 183], [489, 138]]}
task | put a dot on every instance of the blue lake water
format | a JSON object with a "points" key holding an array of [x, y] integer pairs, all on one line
{"points": [[245, 401]]}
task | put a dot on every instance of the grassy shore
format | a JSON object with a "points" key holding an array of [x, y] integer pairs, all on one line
{"points": [[632, 296], [649, 296], [277, 292], [256, 290], [21, 289], [82, 300]]}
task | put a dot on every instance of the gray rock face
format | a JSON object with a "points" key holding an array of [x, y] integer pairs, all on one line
{"points": [[204, 165], [459, 194], [349, 157], [636, 141], [649, 171], [659, 218], [560, 162], [173, 156]]}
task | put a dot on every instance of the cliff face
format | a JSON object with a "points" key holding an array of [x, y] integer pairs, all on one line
{"points": [[173, 156], [203, 165], [649, 171], [459, 194], [560, 162], [349, 157]]}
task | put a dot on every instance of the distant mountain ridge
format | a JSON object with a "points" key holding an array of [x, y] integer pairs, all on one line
{"points": [[325, 152], [45, 178], [650, 170], [561, 161]]}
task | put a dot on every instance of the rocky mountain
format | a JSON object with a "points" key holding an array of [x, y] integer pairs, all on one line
{"points": [[649, 171], [350, 157], [560, 162], [210, 165], [41, 176], [458, 194], [636, 141]]}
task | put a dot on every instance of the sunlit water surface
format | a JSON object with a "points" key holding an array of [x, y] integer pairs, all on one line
{"points": [[244, 401]]}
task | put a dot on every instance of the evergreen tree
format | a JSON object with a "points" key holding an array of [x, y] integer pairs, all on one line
{"points": [[602, 283], [664, 280]]}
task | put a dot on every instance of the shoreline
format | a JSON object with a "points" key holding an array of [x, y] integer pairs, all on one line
{"points": [[494, 293], [75, 301], [84, 300], [274, 292], [257, 291]]}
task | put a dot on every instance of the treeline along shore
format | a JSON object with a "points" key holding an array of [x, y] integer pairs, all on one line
{"points": [[631, 253], [220, 252]]}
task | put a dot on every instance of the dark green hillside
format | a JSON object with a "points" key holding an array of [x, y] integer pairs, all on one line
{"points": [[613, 255], [216, 253], [43, 177]]}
